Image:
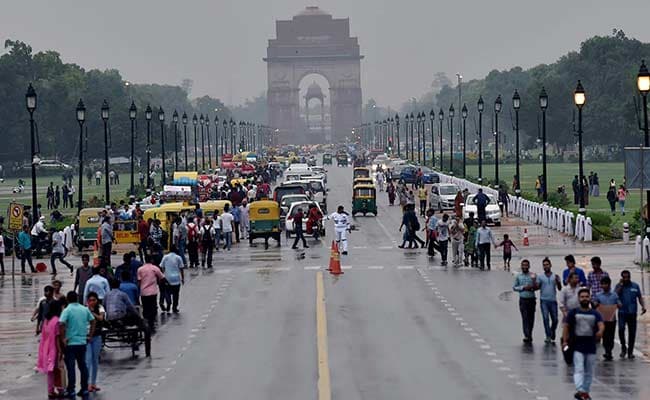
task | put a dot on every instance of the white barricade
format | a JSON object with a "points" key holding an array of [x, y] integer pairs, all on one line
{"points": [[637, 249], [588, 230]]}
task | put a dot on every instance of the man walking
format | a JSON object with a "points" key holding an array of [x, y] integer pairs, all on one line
{"points": [[149, 276], [58, 251], [586, 327], [607, 303], [569, 295], [341, 228], [525, 284], [107, 240], [484, 238], [227, 226], [629, 294], [481, 200], [422, 196], [193, 235], [77, 325], [207, 243], [172, 266], [548, 284], [25, 243], [595, 277], [297, 229]]}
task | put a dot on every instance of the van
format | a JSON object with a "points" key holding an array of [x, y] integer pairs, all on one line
{"points": [[301, 168]]}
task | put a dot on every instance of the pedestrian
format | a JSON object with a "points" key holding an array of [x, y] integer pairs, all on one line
{"points": [[193, 238], [569, 295], [504, 199], [621, 194], [58, 251], [172, 266], [39, 234], [181, 238], [50, 351], [481, 200], [25, 244], [97, 284], [575, 185], [629, 294], [94, 346], [216, 224], [207, 234], [430, 228], [2, 252], [82, 275], [227, 226], [422, 196], [65, 191], [379, 177], [50, 196], [585, 327], [149, 276], [470, 243], [538, 186], [341, 228], [484, 238], [607, 303], [612, 198], [297, 229], [77, 325], [442, 230], [143, 233], [57, 197], [525, 284], [98, 178], [595, 276], [127, 286], [390, 189], [459, 200], [595, 186], [244, 219], [236, 220], [107, 240], [548, 284], [571, 267], [507, 245], [457, 233]]}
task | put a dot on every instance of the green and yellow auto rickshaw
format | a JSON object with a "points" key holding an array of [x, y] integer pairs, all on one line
{"points": [[342, 159], [327, 159], [264, 218], [364, 199], [360, 172], [362, 181], [89, 221]]}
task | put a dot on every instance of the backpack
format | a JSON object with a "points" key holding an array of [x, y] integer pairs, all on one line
{"points": [[207, 235], [192, 232]]}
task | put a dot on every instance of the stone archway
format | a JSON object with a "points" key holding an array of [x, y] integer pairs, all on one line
{"points": [[313, 43]]}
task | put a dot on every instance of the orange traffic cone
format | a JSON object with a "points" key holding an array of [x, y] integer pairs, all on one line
{"points": [[335, 260], [526, 242]]}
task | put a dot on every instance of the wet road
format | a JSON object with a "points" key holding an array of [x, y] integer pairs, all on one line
{"points": [[273, 325]]}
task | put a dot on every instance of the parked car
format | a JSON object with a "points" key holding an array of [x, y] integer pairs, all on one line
{"points": [[492, 211], [50, 165], [409, 174], [442, 196], [304, 205]]}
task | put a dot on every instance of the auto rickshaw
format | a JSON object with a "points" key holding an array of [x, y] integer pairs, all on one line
{"points": [[362, 181], [342, 160], [364, 199], [327, 159], [89, 221], [360, 172], [264, 218]]}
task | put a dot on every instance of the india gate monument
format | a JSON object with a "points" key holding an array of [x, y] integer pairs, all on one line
{"points": [[313, 44]]}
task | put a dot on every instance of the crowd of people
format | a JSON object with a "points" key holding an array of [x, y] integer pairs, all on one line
{"points": [[591, 307]]}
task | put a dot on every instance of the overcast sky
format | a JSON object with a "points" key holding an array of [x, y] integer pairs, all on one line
{"points": [[220, 44]]}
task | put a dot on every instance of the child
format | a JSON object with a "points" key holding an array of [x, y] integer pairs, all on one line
{"points": [[470, 244], [41, 309], [49, 349], [507, 251], [2, 253]]}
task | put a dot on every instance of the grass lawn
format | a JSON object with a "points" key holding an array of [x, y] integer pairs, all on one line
{"points": [[118, 192], [562, 174]]}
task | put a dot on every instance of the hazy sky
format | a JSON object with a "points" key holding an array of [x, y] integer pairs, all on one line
{"points": [[220, 44]]}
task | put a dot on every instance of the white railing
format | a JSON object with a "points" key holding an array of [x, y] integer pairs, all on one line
{"points": [[532, 212]]}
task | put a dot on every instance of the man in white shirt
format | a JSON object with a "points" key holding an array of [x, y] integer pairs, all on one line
{"points": [[341, 228], [484, 238], [227, 226], [244, 219], [58, 251], [38, 232]]}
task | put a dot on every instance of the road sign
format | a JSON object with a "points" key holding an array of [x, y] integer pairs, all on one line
{"points": [[16, 216]]}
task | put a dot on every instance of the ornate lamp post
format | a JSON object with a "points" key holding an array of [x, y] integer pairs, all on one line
{"points": [[497, 109], [184, 120], [441, 117], [105, 111], [480, 105], [202, 122], [232, 137], [432, 120], [195, 122], [31, 101], [175, 120], [399, 152], [543, 104], [643, 84], [419, 120], [463, 113], [81, 118], [225, 136], [451, 139], [216, 135], [516, 104], [579, 99], [148, 113], [161, 118], [133, 113], [207, 135], [406, 135]]}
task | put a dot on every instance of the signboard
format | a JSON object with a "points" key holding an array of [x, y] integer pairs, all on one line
{"points": [[637, 167], [16, 216]]}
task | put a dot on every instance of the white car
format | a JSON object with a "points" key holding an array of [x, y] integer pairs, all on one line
{"points": [[442, 196], [382, 160], [289, 199], [492, 211], [293, 209]]}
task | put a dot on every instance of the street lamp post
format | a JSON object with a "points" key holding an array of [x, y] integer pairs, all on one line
{"points": [[543, 104], [419, 120], [81, 118], [497, 110], [147, 116], [441, 117], [161, 118], [31, 100], [195, 121], [423, 123], [406, 136], [105, 111], [216, 144], [516, 104], [411, 122], [202, 122], [480, 105], [399, 152], [463, 113], [579, 99], [232, 137], [175, 120], [133, 113], [643, 84], [432, 120], [451, 139], [184, 120], [207, 135], [224, 134]]}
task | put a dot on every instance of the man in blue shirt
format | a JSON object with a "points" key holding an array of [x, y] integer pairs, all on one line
{"points": [[548, 284], [606, 302], [571, 267], [131, 289], [525, 285], [77, 325], [481, 200], [629, 293], [172, 266], [25, 243]]}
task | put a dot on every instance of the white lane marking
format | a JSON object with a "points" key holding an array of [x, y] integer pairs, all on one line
{"points": [[346, 266], [485, 346], [385, 247], [383, 228], [359, 247], [504, 369], [405, 267], [497, 361], [375, 267], [313, 268], [479, 340], [490, 353]]}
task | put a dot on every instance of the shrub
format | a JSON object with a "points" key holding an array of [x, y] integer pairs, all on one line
{"points": [[602, 232], [600, 219], [559, 200]]}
